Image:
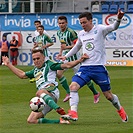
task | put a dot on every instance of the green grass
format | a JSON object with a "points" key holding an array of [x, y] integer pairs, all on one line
{"points": [[15, 94]]}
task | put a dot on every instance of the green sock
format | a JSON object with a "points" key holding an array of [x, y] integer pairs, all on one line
{"points": [[44, 120], [92, 88], [50, 102], [64, 84]]}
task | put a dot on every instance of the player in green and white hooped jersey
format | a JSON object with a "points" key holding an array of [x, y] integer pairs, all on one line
{"points": [[68, 38], [47, 88], [43, 40]]}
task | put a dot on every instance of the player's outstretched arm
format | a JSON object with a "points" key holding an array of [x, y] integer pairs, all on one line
{"points": [[16, 71], [74, 63]]}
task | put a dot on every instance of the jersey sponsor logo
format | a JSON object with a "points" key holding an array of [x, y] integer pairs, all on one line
{"points": [[89, 46], [95, 32], [88, 39], [38, 75]]}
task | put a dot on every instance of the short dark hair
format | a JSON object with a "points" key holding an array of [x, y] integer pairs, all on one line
{"points": [[4, 36], [37, 21], [37, 49], [88, 15], [62, 17], [41, 26]]}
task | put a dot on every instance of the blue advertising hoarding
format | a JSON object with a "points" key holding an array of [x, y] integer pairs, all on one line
{"points": [[25, 22]]}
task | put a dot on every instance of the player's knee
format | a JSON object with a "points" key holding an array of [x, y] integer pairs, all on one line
{"points": [[108, 96], [42, 91], [39, 92], [74, 87], [31, 121], [59, 75]]}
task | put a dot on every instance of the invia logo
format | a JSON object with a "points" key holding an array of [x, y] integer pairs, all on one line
{"points": [[126, 20]]}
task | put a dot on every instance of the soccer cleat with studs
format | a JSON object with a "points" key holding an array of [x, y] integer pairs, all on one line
{"points": [[61, 111], [123, 115], [96, 97], [72, 115]]}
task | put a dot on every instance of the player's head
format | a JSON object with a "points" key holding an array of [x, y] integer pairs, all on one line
{"points": [[40, 29], [85, 19], [38, 57], [37, 23], [13, 37], [62, 22], [4, 37]]}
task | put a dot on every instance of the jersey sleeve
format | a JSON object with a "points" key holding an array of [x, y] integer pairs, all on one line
{"points": [[48, 39], [54, 66], [73, 36], [30, 74], [109, 28]]}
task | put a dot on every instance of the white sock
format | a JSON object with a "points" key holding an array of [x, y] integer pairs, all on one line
{"points": [[74, 100], [116, 102]]}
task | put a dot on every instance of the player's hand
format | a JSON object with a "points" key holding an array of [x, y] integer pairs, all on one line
{"points": [[63, 46], [5, 60], [84, 57], [63, 58], [58, 56], [35, 45], [120, 14]]}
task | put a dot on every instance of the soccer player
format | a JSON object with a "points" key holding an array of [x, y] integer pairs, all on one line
{"points": [[45, 74], [68, 38], [37, 23], [91, 39], [43, 41]]}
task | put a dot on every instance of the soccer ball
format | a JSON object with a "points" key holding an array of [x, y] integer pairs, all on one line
{"points": [[37, 104]]}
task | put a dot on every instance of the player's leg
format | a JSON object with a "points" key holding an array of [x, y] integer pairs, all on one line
{"points": [[38, 117], [77, 83], [90, 86], [15, 57], [11, 57], [34, 116], [64, 84], [94, 91], [2, 54], [116, 103], [47, 97], [46, 110], [103, 81]]}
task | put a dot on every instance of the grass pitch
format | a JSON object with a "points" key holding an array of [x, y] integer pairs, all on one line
{"points": [[15, 94]]}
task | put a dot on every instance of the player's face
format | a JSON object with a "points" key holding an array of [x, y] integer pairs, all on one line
{"points": [[86, 24], [62, 24], [37, 24], [40, 30], [38, 59]]}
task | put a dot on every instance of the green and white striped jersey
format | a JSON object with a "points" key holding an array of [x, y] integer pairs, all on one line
{"points": [[67, 37], [43, 40], [45, 75]]}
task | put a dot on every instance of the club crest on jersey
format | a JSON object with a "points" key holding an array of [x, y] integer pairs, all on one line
{"points": [[89, 46], [95, 32]]}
